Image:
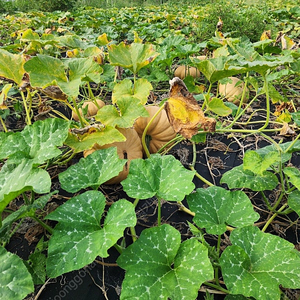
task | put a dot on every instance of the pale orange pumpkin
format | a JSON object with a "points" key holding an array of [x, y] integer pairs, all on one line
{"points": [[183, 71], [233, 91], [160, 130], [129, 149], [92, 109]]}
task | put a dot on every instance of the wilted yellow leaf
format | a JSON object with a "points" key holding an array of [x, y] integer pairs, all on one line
{"points": [[287, 43], [286, 130], [184, 113], [266, 35]]}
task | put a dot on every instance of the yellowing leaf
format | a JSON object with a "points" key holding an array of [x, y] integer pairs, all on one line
{"points": [[286, 42], [266, 35], [184, 113], [102, 39], [286, 130], [3, 95]]}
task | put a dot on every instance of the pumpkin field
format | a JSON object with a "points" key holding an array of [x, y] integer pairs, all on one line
{"points": [[151, 152]]}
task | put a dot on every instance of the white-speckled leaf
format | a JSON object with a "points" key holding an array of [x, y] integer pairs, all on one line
{"points": [[294, 176], [95, 169], [79, 237], [294, 201], [240, 178], [216, 207], [15, 280], [16, 179], [37, 142], [257, 263], [163, 176], [159, 266]]}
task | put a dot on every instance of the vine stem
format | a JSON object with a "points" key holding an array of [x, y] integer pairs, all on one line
{"points": [[267, 104], [3, 124], [44, 225], [81, 120], [146, 129], [206, 96], [217, 287], [159, 211], [28, 122], [273, 217], [292, 143], [192, 166]]}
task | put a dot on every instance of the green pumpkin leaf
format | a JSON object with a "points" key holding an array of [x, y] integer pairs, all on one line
{"points": [[37, 142], [15, 280], [36, 266], [132, 57], [163, 267], [92, 171], [215, 208], [163, 176], [257, 263], [106, 135], [217, 68], [294, 176], [11, 66], [129, 109], [240, 178], [45, 70], [28, 179], [125, 88], [254, 162], [294, 201], [217, 106], [79, 237], [286, 155], [262, 64]]}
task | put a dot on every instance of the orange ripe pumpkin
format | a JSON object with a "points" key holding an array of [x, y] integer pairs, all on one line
{"points": [[92, 109], [129, 149], [160, 130]]}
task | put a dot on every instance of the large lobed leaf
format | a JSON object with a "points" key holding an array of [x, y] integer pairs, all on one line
{"points": [[79, 237], [215, 208], [107, 135], [37, 142], [140, 90], [11, 66], [159, 266], [163, 176], [129, 109], [132, 57], [15, 280], [257, 263], [92, 171], [45, 70]]}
